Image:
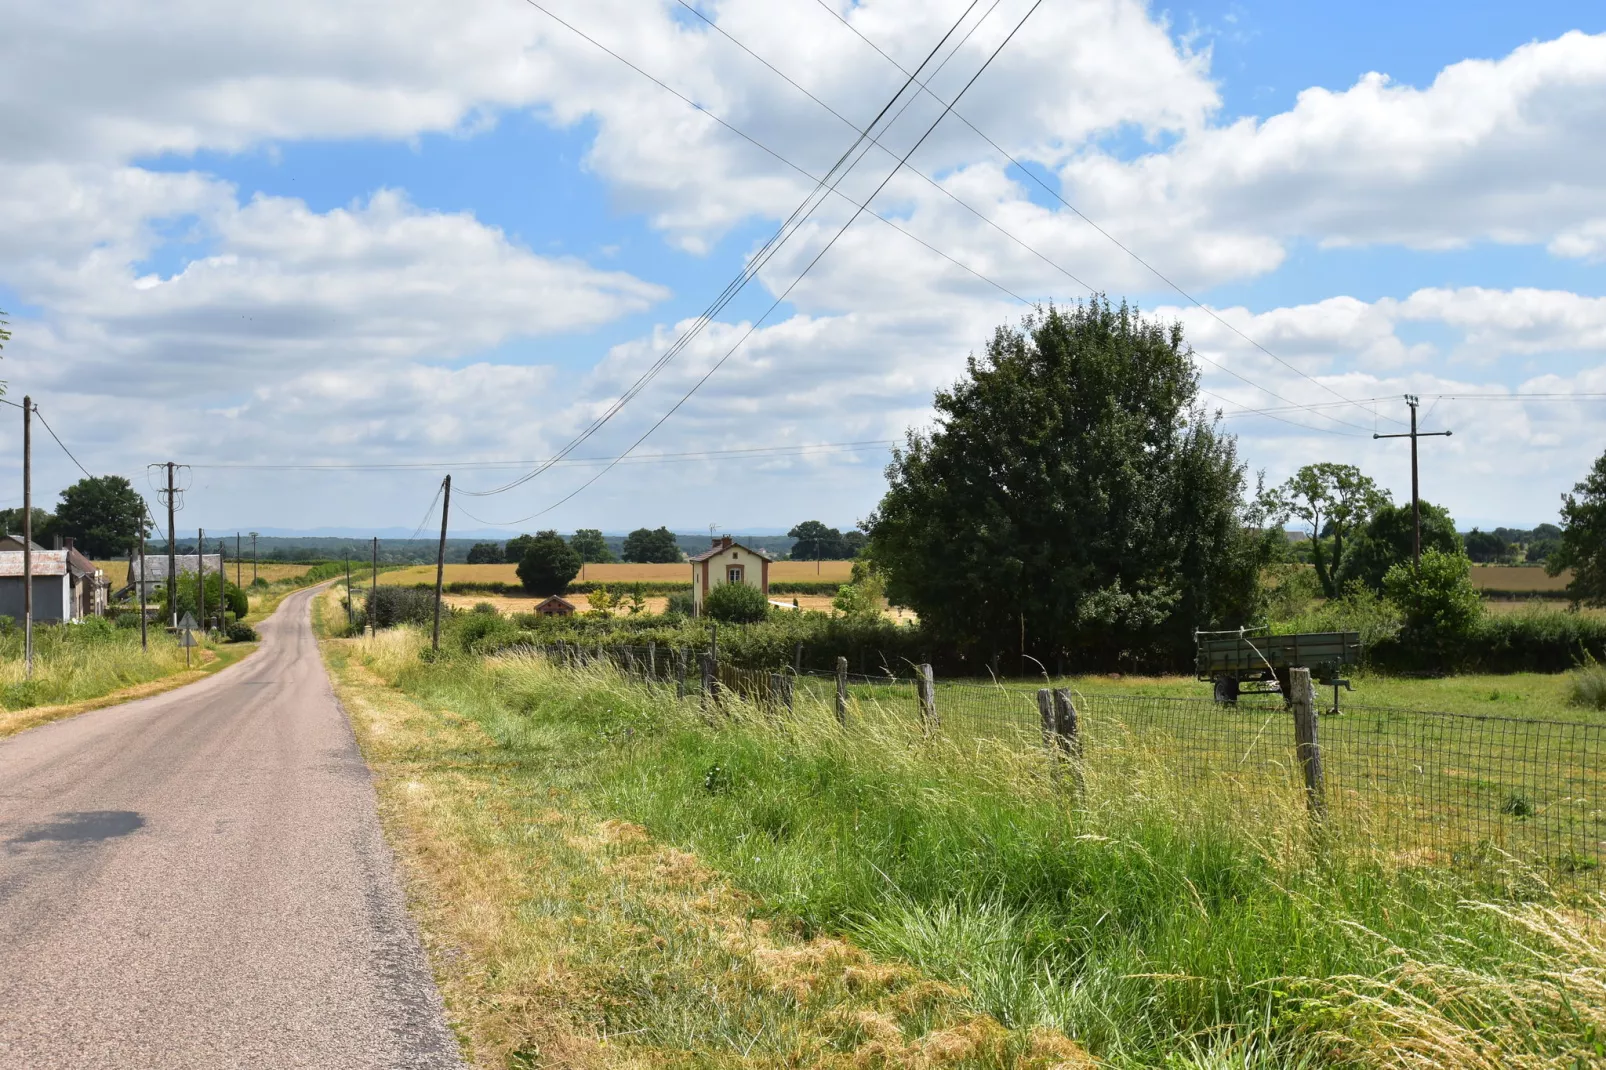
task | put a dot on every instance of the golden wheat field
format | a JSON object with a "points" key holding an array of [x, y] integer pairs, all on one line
{"points": [[117, 571], [827, 571]]}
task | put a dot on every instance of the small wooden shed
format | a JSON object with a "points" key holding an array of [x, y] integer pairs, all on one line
{"points": [[555, 606]]}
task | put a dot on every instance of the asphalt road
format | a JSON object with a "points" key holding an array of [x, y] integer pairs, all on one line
{"points": [[199, 880]]}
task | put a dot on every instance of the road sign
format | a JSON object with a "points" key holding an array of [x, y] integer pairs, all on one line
{"points": [[188, 639], [187, 622]]}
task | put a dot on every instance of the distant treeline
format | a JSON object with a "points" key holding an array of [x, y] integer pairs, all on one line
{"points": [[311, 550]]}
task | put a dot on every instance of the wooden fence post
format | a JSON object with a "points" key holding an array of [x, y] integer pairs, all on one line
{"points": [[1045, 713], [680, 672], [842, 691], [1307, 745], [926, 688], [710, 684], [1068, 733], [652, 661], [797, 660]]}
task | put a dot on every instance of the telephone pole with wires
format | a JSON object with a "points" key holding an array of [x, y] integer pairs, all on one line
{"points": [[1416, 497], [440, 560], [27, 535]]}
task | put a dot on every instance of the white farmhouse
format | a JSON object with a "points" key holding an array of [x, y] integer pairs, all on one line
{"points": [[727, 561]]}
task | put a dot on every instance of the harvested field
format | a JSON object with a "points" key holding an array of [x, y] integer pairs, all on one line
{"points": [[1517, 578], [679, 572], [510, 604], [117, 571]]}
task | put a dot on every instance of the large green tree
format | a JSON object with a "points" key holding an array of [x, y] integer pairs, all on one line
{"points": [[44, 524], [813, 541], [1386, 541], [516, 548], [1582, 546], [549, 564], [104, 515], [591, 546], [1073, 497], [651, 546], [1333, 501], [485, 553]]}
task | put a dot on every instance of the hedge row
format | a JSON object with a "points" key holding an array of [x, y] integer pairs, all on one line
{"points": [[648, 589], [1538, 641]]}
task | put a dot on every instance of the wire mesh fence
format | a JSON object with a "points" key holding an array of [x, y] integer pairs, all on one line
{"points": [[1425, 788]]}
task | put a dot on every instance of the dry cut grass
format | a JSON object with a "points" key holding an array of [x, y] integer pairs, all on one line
{"points": [[117, 571]]}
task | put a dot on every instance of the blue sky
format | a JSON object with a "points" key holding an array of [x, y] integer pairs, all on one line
{"points": [[299, 240]]}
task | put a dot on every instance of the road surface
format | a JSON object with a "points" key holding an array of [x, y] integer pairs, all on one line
{"points": [[199, 880]]}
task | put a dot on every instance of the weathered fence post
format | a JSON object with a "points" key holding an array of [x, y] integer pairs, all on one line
{"points": [[1068, 733], [842, 691], [680, 672], [797, 660], [652, 660], [926, 688], [1045, 713], [710, 684], [1307, 746]]}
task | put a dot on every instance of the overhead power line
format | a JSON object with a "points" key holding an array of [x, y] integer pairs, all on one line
{"points": [[801, 275], [754, 265], [1090, 222], [939, 187]]}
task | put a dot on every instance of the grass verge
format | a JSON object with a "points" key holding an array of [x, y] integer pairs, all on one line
{"points": [[1155, 927]]}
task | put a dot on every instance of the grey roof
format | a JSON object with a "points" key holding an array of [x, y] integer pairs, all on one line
{"points": [[44, 563], [156, 566]]}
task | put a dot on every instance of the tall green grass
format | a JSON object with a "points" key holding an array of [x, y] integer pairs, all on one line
{"points": [[77, 662], [1156, 924]]}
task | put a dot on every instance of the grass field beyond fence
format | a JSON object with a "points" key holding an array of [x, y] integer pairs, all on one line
{"points": [[1156, 919]]}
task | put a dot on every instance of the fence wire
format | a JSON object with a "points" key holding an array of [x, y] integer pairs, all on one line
{"points": [[1425, 788]]}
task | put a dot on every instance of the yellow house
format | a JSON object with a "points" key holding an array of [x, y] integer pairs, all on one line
{"points": [[727, 561]]}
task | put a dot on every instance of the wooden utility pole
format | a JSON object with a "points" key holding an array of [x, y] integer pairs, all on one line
{"points": [[200, 576], [27, 535], [144, 636], [440, 561], [1416, 498], [239, 566], [172, 552], [253, 559], [349, 607], [373, 589]]}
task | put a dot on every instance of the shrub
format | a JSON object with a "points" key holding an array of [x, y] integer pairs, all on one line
{"points": [[737, 603], [1439, 603], [484, 632], [238, 603], [548, 565], [240, 633], [681, 604], [1587, 686], [486, 609]]}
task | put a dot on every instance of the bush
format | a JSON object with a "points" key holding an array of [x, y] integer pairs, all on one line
{"points": [[1587, 686], [389, 606], [240, 633], [736, 603], [682, 604], [1439, 603], [486, 609], [484, 632], [238, 603]]}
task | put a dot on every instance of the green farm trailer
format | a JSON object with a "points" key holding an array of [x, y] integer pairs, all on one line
{"points": [[1253, 656]]}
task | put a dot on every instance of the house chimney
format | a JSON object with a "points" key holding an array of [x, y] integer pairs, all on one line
{"points": [[725, 542], [57, 541], [66, 543]]}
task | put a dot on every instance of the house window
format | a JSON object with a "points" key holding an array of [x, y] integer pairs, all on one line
{"points": [[733, 574]]}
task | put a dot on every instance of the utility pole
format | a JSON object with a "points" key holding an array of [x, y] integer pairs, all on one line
{"points": [[144, 637], [238, 564], [172, 552], [440, 561], [348, 593], [200, 575], [373, 590], [1416, 497], [253, 559], [27, 535]]}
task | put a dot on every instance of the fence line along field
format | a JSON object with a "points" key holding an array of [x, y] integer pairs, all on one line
{"points": [[673, 572]]}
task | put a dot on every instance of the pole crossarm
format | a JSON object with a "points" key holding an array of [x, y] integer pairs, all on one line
{"points": [[1416, 497]]}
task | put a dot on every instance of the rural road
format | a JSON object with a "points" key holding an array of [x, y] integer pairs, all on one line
{"points": [[199, 880]]}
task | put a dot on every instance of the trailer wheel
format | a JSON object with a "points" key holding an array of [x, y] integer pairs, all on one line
{"points": [[1227, 690]]}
